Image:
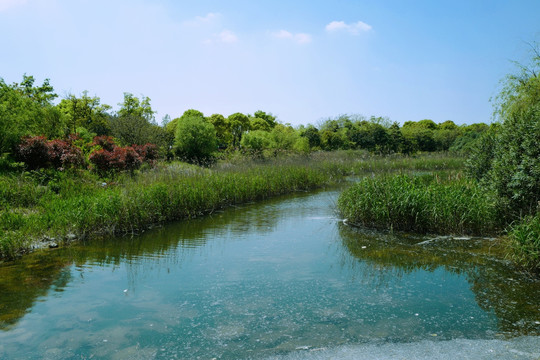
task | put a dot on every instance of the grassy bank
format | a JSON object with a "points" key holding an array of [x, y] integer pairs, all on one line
{"points": [[444, 204], [67, 205]]}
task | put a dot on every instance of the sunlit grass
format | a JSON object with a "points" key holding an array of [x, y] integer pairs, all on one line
{"points": [[54, 204]]}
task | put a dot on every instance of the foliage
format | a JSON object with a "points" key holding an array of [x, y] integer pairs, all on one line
{"points": [[509, 158], [85, 112], [25, 110], [195, 139], [133, 107], [239, 124], [56, 203], [256, 141], [36, 152], [525, 241]]}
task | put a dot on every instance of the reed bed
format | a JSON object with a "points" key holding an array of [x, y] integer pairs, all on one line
{"points": [[49, 204], [431, 203]]}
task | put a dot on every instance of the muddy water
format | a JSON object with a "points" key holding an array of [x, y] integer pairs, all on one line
{"points": [[280, 279]]}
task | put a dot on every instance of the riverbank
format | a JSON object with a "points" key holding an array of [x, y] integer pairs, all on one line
{"points": [[447, 204], [54, 208]]}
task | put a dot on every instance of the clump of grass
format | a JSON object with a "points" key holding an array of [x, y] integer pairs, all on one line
{"points": [[524, 241], [422, 204]]}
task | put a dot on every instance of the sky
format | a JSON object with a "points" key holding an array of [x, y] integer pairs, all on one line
{"points": [[303, 61]]}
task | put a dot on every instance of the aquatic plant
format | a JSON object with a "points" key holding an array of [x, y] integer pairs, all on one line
{"points": [[422, 203]]}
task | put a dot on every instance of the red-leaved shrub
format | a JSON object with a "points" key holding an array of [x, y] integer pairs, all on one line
{"points": [[121, 158], [147, 152], [63, 154], [106, 142], [34, 152]]}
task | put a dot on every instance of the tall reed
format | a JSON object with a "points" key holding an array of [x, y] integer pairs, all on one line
{"points": [[424, 204]]}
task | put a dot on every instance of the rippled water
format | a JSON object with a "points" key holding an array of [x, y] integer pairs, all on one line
{"points": [[282, 279]]}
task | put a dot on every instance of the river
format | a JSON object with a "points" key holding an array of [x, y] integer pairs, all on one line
{"points": [[280, 279]]}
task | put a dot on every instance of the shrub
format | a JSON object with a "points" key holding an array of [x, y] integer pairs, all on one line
{"points": [[38, 153], [34, 152], [106, 142], [63, 154], [148, 152]]}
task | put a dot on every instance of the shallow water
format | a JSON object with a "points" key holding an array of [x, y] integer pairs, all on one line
{"points": [[282, 279]]}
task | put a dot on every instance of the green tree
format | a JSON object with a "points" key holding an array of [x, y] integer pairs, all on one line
{"points": [[27, 110], [86, 112], [223, 129], [311, 133], [513, 168], [239, 124], [268, 118], [195, 139], [132, 106], [256, 141]]}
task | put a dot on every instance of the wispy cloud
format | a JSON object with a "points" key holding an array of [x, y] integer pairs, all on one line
{"points": [[210, 18], [227, 36], [224, 37], [8, 4], [354, 28], [300, 38]]}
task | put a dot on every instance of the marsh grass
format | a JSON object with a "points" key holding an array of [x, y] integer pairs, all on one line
{"points": [[54, 204], [431, 203], [524, 242]]}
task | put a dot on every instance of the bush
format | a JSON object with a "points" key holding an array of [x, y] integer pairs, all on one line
{"points": [[38, 153], [121, 158], [34, 152]]}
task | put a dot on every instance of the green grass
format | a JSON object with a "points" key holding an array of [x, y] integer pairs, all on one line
{"points": [[524, 242], [54, 204], [447, 204]]}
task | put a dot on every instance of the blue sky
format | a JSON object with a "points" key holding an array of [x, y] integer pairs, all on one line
{"points": [[301, 60]]}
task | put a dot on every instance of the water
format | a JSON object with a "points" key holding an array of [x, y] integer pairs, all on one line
{"points": [[284, 279]]}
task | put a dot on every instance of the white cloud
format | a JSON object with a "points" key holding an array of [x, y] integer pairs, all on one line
{"points": [[224, 37], [354, 28], [227, 36], [8, 4], [300, 38], [208, 19]]}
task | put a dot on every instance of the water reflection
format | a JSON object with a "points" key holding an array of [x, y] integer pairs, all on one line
{"points": [[24, 281], [498, 287], [255, 281]]}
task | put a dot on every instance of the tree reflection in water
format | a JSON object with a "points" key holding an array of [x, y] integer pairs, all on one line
{"points": [[498, 286]]}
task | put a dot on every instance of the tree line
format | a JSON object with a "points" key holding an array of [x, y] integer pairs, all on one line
{"points": [[29, 110]]}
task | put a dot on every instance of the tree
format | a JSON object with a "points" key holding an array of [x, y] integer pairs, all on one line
{"points": [[86, 112], [256, 141], [195, 139], [223, 129], [239, 124], [132, 106], [311, 133], [511, 164], [26, 110], [43, 95], [268, 118]]}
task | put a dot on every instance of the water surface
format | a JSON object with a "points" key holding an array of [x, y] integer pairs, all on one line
{"points": [[280, 279]]}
